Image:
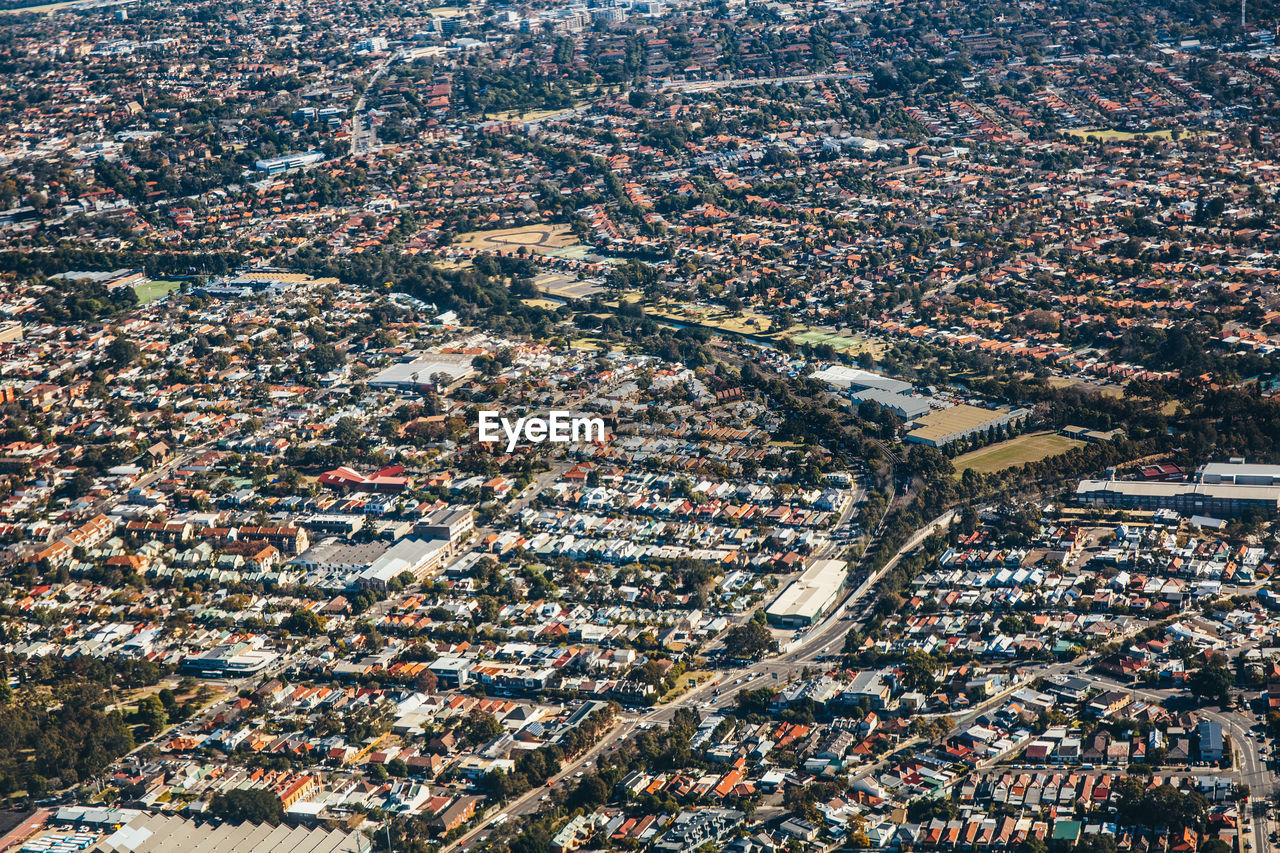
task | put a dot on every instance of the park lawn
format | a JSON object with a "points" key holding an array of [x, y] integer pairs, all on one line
{"points": [[549, 304], [536, 239], [532, 115], [46, 8], [1114, 391], [153, 290], [1111, 135], [746, 323], [842, 343], [1031, 447], [682, 685]]}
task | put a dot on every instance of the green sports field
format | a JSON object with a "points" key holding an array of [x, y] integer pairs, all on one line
{"points": [[840, 342], [1031, 447], [153, 290]]}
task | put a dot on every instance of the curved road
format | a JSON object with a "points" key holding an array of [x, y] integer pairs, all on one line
{"points": [[803, 652]]}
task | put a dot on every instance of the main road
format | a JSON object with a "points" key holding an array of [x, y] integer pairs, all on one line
{"points": [[363, 137], [799, 654], [1251, 769]]}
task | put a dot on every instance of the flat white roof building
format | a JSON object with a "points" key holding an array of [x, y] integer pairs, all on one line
{"points": [[1239, 474], [422, 371], [807, 597], [416, 556], [839, 376], [150, 833], [1221, 500]]}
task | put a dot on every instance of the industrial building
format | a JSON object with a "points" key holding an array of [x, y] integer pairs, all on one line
{"points": [[452, 523], [809, 596], [289, 162], [156, 833], [231, 660], [419, 557], [853, 379], [1238, 473], [863, 386], [426, 370], [947, 425], [906, 406], [1223, 500]]}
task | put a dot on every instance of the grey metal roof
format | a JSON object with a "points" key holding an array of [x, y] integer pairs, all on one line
{"points": [[172, 834]]}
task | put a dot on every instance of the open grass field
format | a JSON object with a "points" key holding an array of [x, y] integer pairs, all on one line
{"points": [[446, 11], [743, 323], [1115, 391], [548, 304], [153, 290], [531, 115], [1108, 135], [686, 683], [538, 239], [49, 8], [1031, 447], [842, 343], [564, 287], [589, 344]]}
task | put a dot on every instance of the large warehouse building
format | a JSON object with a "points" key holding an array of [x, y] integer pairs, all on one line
{"points": [[947, 425], [150, 833], [1222, 500], [809, 596], [423, 370], [1239, 473]]}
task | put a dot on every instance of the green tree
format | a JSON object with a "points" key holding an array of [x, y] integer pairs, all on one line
{"points": [[1096, 843], [1212, 681], [483, 727], [589, 794], [256, 805], [151, 713], [750, 641], [122, 351], [304, 622], [919, 671]]}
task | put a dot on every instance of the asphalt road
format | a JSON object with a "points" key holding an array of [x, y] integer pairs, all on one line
{"points": [[1250, 768], [829, 633]]}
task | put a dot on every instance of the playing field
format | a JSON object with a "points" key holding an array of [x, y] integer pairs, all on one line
{"points": [[1031, 447], [745, 323], [446, 11], [153, 290], [841, 343], [48, 8], [1110, 135], [538, 239]]}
